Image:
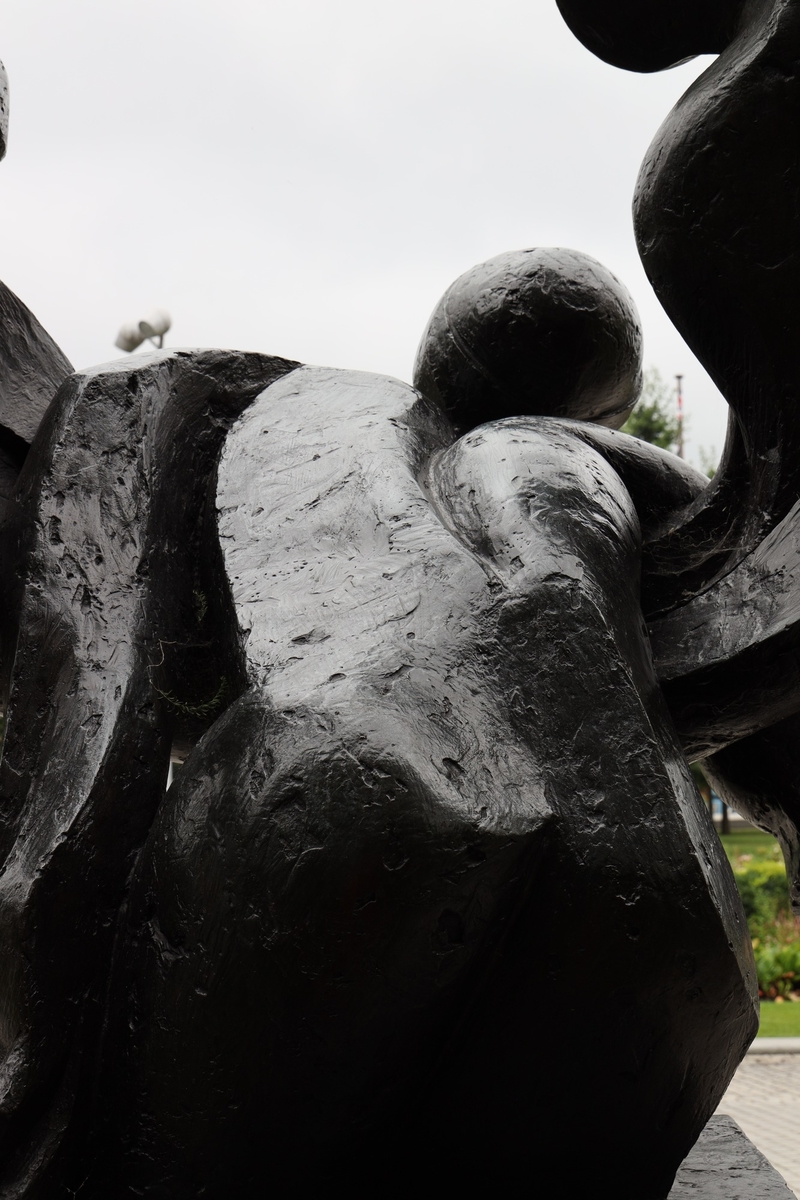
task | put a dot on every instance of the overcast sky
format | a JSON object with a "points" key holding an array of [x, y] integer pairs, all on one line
{"points": [[306, 177]]}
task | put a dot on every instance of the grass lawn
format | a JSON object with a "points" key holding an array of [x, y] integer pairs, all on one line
{"points": [[759, 845], [780, 1020]]}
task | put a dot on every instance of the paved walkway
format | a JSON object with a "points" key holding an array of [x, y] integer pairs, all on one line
{"points": [[764, 1099]]}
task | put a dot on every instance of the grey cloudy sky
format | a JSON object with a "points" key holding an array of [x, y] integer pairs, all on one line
{"points": [[305, 177]]}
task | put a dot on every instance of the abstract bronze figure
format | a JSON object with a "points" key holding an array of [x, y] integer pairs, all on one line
{"points": [[435, 657]]}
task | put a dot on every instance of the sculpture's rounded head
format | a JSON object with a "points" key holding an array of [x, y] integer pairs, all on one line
{"points": [[651, 35], [533, 333]]}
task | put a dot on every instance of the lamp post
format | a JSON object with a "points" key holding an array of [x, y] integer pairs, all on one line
{"points": [[151, 329]]}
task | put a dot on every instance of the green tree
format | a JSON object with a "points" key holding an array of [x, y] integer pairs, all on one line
{"points": [[708, 460], [651, 420]]}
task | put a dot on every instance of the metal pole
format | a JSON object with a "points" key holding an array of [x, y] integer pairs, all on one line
{"points": [[679, 381]]}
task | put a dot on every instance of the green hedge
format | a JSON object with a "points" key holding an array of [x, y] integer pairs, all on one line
{"points": [[778, 968], [764, 890]]}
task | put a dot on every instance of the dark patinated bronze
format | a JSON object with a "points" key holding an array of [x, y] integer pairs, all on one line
{"points": [[436, 658]]}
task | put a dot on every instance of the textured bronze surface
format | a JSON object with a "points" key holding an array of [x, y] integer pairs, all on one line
{"points": [[435, 657]]}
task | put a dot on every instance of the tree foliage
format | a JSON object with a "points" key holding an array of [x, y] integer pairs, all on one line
{"points": [[652, 419]]}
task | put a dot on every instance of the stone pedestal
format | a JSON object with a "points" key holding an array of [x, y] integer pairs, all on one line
{"points": [[725, 1165]]}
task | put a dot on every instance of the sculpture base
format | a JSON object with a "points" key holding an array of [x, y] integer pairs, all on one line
{"points": [[725, 1165]]}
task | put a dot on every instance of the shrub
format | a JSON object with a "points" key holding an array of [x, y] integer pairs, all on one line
{"points": [[778, 968], [774, 930], [764, 890]]}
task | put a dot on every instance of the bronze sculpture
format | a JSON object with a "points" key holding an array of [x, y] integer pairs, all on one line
{"points": [[434, 753]]}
